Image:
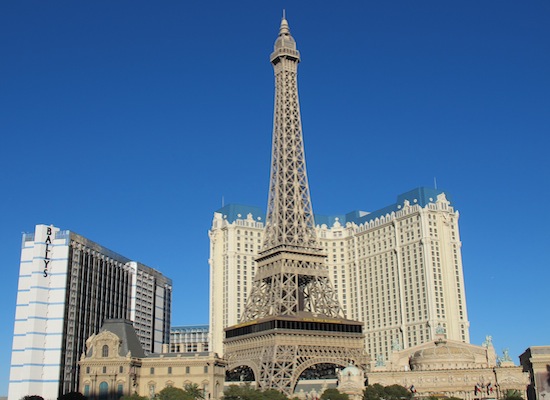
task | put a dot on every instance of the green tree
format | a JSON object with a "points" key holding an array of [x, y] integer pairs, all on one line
{"points": [[32, 397], [193, 391], [373, 392], [242, 392], [512, 395], [72, 396], [171, 393], [272, 394], [392, 392], [396, 392], [333, 394], [247, 392]]}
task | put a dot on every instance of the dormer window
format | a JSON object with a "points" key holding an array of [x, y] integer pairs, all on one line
{"points": [[105, 351]]}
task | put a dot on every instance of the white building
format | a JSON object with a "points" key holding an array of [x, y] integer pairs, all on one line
{"points": [[189, 339], [398, 269], [235, 239], [67, 286]]}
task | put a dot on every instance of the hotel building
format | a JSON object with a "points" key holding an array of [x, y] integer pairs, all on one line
{"points": [[189, 339], [398, 269], [68, 285]]}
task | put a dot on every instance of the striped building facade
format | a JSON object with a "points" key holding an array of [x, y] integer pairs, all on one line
{"points": [[68, 285]]}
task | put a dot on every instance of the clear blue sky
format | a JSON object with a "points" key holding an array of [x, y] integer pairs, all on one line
{"points": [[128, 121]]}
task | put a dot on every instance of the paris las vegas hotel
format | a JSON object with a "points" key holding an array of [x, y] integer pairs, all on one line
{"points": [[397, 269]]}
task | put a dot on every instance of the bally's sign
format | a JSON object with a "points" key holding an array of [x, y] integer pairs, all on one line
{"points": [[47, 251]]}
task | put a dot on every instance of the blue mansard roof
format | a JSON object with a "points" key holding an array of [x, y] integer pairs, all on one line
{"points": [[231, 212], [421, 196]]}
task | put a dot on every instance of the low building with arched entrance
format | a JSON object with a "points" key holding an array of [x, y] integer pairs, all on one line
{"points": [[115, 365]]}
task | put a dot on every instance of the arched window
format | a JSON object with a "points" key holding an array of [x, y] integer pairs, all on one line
{"points": [[103, 390], [105, 351], [120, 390]]}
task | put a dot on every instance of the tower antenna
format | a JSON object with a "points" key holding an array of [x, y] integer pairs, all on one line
{"points": [[284, 13], [435, 183]]}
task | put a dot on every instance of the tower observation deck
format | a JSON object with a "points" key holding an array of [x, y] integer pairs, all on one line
{"points": [[292, 320]]}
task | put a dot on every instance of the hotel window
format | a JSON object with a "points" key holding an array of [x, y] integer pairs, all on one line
{"points": [[152, 371], [105, 351]]}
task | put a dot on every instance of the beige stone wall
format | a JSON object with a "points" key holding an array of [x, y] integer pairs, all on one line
{"points": [[450, 368], [106, 370], [536, 361], [207, 372], [455, 382]]}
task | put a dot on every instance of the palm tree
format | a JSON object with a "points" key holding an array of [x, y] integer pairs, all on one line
{"points": [[192, 391]]}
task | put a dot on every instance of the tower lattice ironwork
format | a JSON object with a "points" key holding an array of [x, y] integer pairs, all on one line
{"points": [[292, 319]]}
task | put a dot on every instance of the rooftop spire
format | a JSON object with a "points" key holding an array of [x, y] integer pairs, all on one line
{"points": [[284, 29]]}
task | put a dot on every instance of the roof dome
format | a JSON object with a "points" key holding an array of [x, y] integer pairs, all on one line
{"points": [[285, 39], [351, 370], [442, 355]]}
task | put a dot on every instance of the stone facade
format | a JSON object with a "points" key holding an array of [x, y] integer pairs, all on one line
{"points": [[112, 367], [450, 368], [351, 381], [536, 361]]}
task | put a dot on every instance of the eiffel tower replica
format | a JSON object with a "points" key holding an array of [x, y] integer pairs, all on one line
{"points": [[292, 319]]}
